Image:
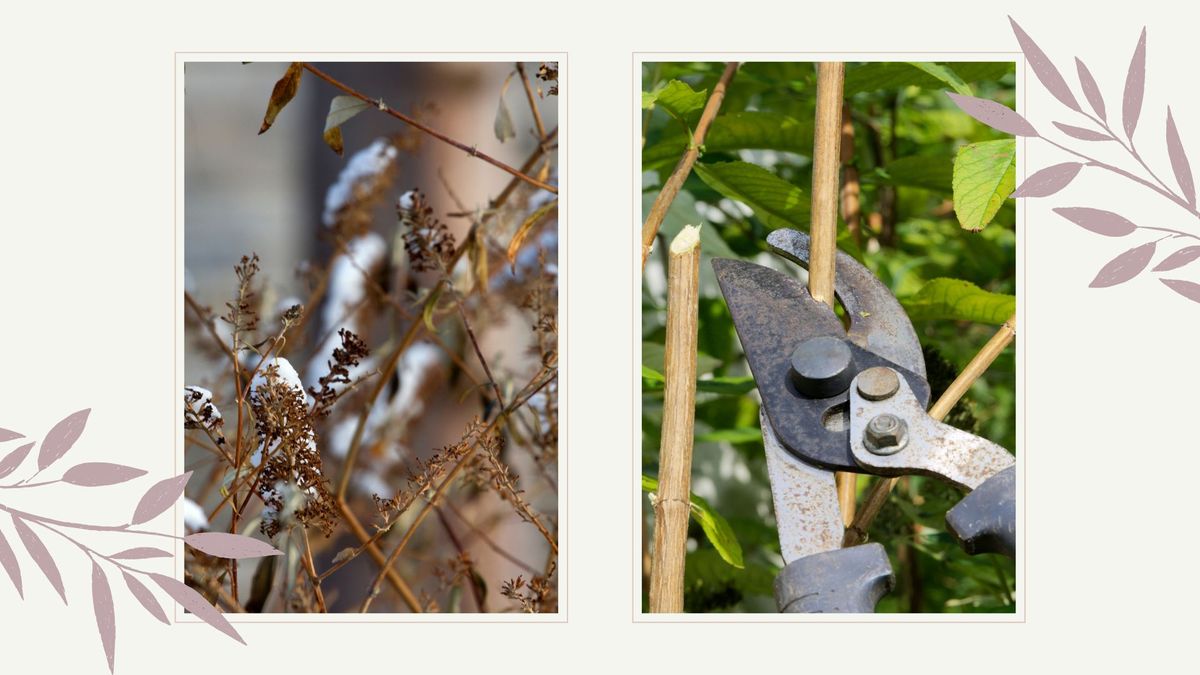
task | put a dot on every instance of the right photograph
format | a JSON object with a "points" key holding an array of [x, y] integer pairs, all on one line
{"points": [[828, 323]]}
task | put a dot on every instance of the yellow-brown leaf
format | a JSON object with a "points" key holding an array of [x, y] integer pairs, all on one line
{"points": [[284, 91]]}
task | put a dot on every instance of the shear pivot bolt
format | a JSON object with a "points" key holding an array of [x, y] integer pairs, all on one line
{"points": [[878, 383], [885, 435], [822, 367]]}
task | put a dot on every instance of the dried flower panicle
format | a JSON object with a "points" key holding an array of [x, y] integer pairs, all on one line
{"points": [[361, 185], [242, 315], [199, 412], [427, 473], [348, 355], [548, 72], [428, 242], [535, 596]]}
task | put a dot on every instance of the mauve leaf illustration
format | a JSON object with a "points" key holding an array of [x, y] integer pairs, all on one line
{"points": [[106, 621], [159, 498], [993, 114], [6, 435], [1125, 266], [144, 596], [284, 91], [1188, 289], [96, 474], [60, 439], [13, 459], [1081, 133], [196, 604], [1044, 69], [1179, 161], [1106, 223], [1178, 259], [1049, 180], [1135, 86], [140, 553], [1090, 90], [226, 545], [8, 560], [43, 559]]}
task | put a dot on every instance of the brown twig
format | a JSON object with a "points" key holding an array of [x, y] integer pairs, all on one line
{"points": [[856, 533], [469, 149], [672, 508], [311, 570], [662, 203], [827, 157], [537, 115]]}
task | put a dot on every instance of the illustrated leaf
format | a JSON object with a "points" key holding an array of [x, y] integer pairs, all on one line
{"points": [[159, 498], [945, 74], [284, 91], [984, 176], [227, 545], [748, 130], [1051, 79], [60, 438], [1081, 133], [514, 246], [8, 560], [41, 557], [143, 595], [1106, 223], [6, 435], [1047, 181], [13, 459], [775, 201], [716, 528], [341, 109], [1135, 86], [1125, 266], [106, 622], [957, 300], [1188, 289], [994, 115], [1179, 161], [679, 99], [1090, 90], [196, 604], [1178, 259], [140, 553], [96, 474]]}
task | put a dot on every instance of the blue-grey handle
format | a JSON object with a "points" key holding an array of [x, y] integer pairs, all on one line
{"points": [[846, 580], [985, 521]]}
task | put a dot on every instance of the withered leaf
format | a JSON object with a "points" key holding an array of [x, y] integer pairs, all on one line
{"points": [[341, 109], [526, 227], [284, 91], [503, 126]]}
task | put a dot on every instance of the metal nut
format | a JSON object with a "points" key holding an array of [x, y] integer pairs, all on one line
{"points": [[878, 383], [885, 435]]}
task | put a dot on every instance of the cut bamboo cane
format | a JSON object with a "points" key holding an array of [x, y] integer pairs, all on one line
{"points": [[856, 533], [827, 159], [672, 505], [662, 203]]}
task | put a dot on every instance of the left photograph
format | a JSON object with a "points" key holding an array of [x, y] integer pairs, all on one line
{"points": [[371, 344]]}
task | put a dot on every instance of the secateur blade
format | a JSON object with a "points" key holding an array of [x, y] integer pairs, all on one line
{"points": [[774, 313]]}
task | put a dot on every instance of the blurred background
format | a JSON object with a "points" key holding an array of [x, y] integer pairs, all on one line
{"points": [[269, 194]]}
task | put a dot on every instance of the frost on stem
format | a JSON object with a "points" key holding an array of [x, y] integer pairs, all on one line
{"points": [[200, 413], [291, 483]]}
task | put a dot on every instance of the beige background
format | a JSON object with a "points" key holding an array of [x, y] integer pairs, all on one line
{"points": [[86, 260]]}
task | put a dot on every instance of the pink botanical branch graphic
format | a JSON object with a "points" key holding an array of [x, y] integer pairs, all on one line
{"points": [[154, 502], [1052, 179]]}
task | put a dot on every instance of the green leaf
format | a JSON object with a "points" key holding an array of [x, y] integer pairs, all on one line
{"points": [[984, 176], [678, 99], [946, 75], [775, 201], [683, 212], [715, 527], [739, 435], [749, 130], [928, 172], [958, 300], [651, 375], [654, 355], [729, 386]]}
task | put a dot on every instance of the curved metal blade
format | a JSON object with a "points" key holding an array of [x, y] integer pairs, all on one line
{"points": [[807, 513], [773, 313], [877, 320]]}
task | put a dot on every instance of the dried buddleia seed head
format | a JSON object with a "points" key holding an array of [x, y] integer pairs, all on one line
{"points": [[429, 245], [548, 72], [200, 413]]}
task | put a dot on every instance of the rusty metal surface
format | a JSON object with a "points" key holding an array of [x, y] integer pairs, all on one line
{"points": [[773, 314], [807, 513], [877, 320], [933, 448]]}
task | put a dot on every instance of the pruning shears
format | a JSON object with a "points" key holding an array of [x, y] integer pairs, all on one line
{"points": [[852, 399]]}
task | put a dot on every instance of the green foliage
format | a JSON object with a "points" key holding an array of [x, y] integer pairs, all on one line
{"points": [[984, 176], [715, 527], [754, 175]]}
